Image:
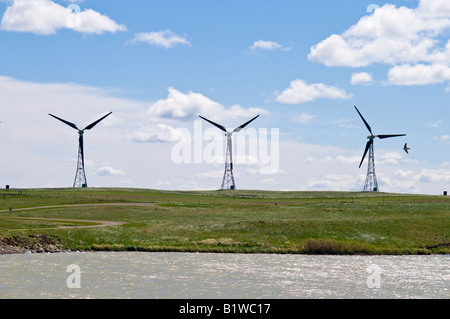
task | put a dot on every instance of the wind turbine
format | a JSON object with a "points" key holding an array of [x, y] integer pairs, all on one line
{"points": [[228, 179], [371, 184], [80, 176]]}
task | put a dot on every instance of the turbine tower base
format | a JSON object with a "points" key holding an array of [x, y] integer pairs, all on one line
{"points": [[228, 178], [371, 184], [80, 176]]}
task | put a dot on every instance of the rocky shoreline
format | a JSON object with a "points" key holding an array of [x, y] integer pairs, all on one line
{"points": [[35, 243]]}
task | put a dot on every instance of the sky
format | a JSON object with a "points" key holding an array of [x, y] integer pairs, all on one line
{"points": [[301, 65]]}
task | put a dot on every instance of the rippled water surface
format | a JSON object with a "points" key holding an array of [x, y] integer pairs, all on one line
{"points": [[192, 275]]}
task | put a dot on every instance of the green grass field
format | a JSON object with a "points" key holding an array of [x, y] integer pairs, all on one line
{"points": [[241, 221]]}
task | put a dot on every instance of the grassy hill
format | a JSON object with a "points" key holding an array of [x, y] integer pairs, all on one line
{"points": [[243, 221]]}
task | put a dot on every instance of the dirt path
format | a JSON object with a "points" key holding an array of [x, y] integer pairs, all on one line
{"points": [[79, 205], [98, 223]]}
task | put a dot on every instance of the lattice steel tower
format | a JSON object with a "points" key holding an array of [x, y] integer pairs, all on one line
{"points": [[371, 184], [80, 176], [228, 179]]}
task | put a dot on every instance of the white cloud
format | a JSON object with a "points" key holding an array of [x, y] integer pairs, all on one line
{"points": [[210, 174], [266, 46], [179, 105], [165, 184], [160, 133], [269, 181], [403, 175], [164, 39], [445, 138], [388, 158], [407, 39], [301, 92], [335, 182], [434, 8], [433, 176], [419, 74], [45, 17], [435, 124], [352, 160], [361, 78], [304, 118], [166, 120], [108, 171]]}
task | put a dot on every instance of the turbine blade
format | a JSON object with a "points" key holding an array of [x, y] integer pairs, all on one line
{"points": [[64, 121], [215, 124], [365, 122], [369, 143], [237, 129], [96, 122], [388, 136]]}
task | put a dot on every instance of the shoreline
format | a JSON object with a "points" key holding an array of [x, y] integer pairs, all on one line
{"points": [[35, 243], [42, 244]]}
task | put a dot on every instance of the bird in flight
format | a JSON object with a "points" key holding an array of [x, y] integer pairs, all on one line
{"points": [[406, 148]]}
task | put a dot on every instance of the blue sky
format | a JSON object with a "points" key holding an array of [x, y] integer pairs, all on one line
{"points": [[157, 65]]}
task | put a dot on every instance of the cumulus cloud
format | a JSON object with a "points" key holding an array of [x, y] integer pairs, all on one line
{"points": [[410, 40], [403, 175], [389, 158], [179, 105], [159, 133], [108, 171], [266, 46], [166, 119], [210, 174], [433, 176], [269, 181], [434, 124], [304, 118], [361, 78], [352, 160], [301, 92], [419, 74], [46, 17], [335, 182], [445, 138], [164, 39]]}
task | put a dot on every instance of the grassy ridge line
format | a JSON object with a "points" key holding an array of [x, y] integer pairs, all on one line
{"points": [[43, 197], [245, 221]]}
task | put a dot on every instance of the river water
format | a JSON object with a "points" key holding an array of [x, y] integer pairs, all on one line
{"points": [[229, 276]]}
